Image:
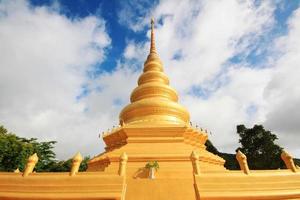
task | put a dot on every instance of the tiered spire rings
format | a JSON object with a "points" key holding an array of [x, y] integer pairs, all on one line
{"points": [[154, 101]]}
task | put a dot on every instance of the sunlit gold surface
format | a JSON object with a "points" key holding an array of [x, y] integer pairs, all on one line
{"points": [[154, 101]]}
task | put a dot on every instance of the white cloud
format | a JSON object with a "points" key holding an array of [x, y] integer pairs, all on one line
{"points": [[283, 92], [110, 91], [44, 57], [207, 36], [136, 51], [132, 13]]}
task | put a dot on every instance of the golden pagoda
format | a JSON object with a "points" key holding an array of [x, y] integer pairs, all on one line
{"points": [[152, 125], [154, 131]]}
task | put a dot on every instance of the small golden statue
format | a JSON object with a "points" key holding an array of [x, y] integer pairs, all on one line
{"points": [[242, 160], [17, 170], [77, 159], [288, 160], [31, 162], [195, 162], [122, 165]]}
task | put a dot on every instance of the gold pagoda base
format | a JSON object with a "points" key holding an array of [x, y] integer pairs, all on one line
{"points": [[170, 146]]}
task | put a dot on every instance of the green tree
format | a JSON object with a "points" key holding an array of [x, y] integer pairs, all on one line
{"points": [[65, 165], [211, 148], [259, 146], [2, 130], [14, 152], [84, 164], [230, 161]]}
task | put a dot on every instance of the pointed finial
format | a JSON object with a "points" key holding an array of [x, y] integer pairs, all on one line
{"points": [[78, 157], [31, 162], [242, 160], [194, 156], [195, 162], [76, 161], [122, 164], [124, 156], [288, 160], [152, 46], [152, 20]]}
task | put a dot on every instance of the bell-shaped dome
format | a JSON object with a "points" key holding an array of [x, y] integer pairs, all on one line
{"points": [[153, 101]]}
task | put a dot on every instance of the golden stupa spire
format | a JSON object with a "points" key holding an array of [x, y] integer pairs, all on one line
{"points": [[152, 45], [154, 101]]}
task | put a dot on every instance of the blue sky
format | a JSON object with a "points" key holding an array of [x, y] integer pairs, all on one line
{"points": [[282, 12], [119, 33], [255, 55], [68, 67]]}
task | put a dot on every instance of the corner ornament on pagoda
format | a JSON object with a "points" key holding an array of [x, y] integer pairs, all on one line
{"points": [[242, 160]]}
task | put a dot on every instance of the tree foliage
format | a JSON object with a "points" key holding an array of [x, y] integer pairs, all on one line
{"points": [[65, 165], [230, 161], [14, 152], [259, 146], [211, 148]]}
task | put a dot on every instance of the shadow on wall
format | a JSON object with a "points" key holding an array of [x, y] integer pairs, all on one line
{"points": [[142, 172]]}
